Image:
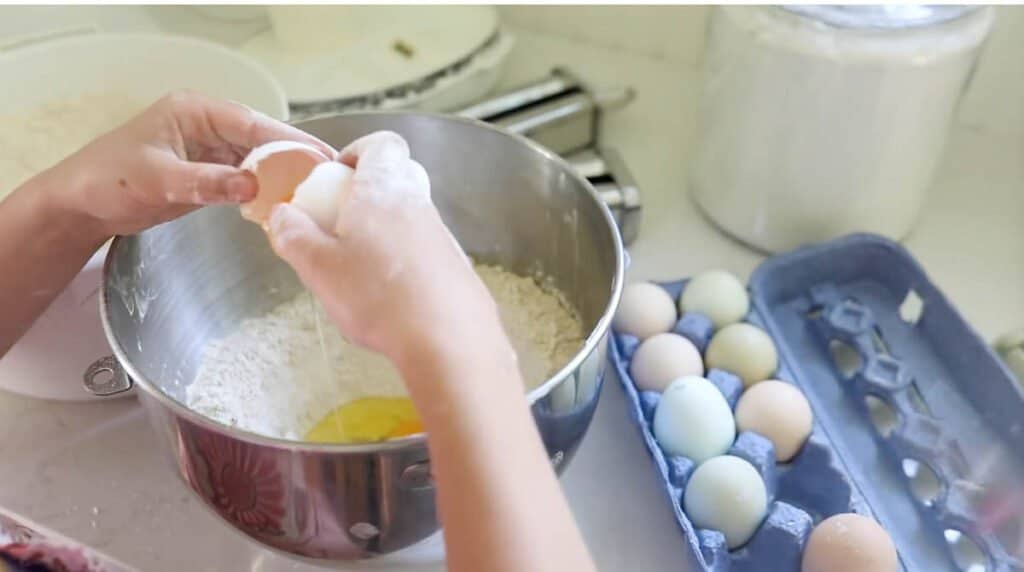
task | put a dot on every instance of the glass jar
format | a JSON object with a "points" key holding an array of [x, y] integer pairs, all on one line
{"points": [[818, 121]]}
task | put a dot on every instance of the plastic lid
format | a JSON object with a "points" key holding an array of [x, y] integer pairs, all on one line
{"points": [[884, 17]]}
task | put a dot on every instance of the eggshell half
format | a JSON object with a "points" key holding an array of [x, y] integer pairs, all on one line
{"points": [[279, 167]]}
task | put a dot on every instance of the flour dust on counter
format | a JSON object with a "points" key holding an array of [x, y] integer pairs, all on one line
{"points": [[290, 374]]}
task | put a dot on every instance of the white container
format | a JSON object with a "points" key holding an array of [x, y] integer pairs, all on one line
{"points": [[322, 54], [48, 362], [819, 121]]}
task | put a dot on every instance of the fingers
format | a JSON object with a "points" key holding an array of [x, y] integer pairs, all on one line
{"points": [[201, 116], [299, 241], [458, 248], [418, 177], [380, 148], [209, 183], [384, 168], [314, 255]]}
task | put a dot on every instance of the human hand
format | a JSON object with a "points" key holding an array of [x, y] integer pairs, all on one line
{"points": [[393, 279], [180, 153], [391, 276]]}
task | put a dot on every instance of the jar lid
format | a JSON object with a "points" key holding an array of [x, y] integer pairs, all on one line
{"points": [[893, 16]]}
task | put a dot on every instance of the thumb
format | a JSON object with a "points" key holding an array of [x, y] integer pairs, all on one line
{"points": [[211, 183], [298, 240]]}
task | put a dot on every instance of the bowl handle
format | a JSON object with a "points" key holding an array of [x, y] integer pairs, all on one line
{"points": [[105, 377]]}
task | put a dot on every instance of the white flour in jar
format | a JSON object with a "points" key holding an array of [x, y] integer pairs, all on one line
{"points": [[809, 131], [270, 376]]}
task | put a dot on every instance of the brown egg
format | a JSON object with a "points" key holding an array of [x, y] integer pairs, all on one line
{"points": [[662, 359], [778, 411], [279, 167], [849, 543], [645, 309]]}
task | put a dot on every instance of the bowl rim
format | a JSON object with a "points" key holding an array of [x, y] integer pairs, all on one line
{"points": [[598, 334], [120, 39]]}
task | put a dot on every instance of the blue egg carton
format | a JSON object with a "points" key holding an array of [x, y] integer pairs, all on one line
{"points": [[917, 423]]}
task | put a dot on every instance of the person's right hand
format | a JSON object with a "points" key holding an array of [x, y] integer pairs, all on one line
{"points": [[392, 278]]}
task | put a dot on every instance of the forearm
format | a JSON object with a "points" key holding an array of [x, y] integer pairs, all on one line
{"points": [[497, 493], [43, 244]]}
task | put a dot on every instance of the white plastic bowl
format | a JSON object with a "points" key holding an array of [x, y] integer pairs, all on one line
{"points": [[49, 360]]}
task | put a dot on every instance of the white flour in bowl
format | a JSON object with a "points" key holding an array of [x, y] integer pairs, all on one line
{"points": [[270, 376]]}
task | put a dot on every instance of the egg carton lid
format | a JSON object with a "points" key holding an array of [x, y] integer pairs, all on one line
{"points": [[959, 410]]}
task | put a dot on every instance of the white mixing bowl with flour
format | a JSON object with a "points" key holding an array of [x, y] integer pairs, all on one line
{"points": [[58, 95]]}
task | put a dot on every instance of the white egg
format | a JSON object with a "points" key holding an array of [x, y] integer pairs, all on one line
{"points": [[718, 295], [778, 411], [320, 194], [662, 359], [644, 310], [727, 494], [693, 419], [744, 350]]}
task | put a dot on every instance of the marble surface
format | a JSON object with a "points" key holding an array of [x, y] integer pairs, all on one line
{"points": [[93, 472]]}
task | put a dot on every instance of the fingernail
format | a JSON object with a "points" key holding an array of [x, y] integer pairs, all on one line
{"points": [[242, 186]]}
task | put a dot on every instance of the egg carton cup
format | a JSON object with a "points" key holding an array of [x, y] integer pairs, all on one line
{"points": [[916, 422]]}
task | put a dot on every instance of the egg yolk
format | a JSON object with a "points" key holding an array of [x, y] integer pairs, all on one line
{"points": [[367, 420]]}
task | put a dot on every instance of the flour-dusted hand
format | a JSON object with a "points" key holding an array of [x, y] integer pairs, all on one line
{"points": [[180, 153], [391, 276]]}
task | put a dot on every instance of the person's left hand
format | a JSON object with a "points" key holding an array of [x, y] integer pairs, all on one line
{"points": [[180, 153]]}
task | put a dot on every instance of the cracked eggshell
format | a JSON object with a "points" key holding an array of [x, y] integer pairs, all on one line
{"points": [[279, 167]]}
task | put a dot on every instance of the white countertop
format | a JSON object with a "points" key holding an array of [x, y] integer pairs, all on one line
{"points": [[94, 472]]}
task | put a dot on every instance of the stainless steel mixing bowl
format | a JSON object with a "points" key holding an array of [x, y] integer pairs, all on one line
{"points": [[170, 290]]}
